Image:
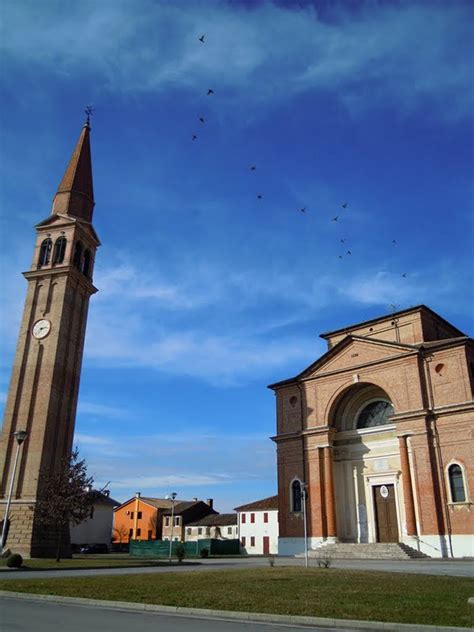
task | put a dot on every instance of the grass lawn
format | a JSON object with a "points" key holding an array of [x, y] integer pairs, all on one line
{"points": [[89, 561], [343, 594]]}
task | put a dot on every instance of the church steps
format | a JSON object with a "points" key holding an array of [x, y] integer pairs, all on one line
{"points": [[379, 551]]}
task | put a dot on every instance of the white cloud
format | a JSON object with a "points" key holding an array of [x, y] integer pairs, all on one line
{"points": [[92, 409], [409, 53]]}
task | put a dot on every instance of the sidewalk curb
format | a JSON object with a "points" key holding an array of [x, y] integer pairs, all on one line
{"points": [[230, 615]]}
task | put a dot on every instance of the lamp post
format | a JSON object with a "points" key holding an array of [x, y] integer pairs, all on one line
{"points": [[304, 494], [173, 498], [20, 436]]}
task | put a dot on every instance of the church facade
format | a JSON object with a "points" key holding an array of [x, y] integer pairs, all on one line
{"points": [[377, 438], [43, 392]]}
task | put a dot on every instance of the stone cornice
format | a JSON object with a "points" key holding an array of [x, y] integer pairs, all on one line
{"points": [[69, 271]]}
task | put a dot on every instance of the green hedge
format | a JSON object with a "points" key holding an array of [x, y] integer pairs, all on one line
{"points": [[161, 548]]}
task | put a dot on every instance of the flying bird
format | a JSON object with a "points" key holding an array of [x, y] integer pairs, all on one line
{"points": [[202, 119], [348, 252], [340, 256], [334, 219], [210, 92], [253, 168], [201, 39], [344, 205], [303, 210], [194, 137], [394, 241], [343, 241], [404, 275], [259, 196]]}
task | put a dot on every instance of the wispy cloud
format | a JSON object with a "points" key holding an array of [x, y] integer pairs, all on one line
{"points": [[407, 52]]}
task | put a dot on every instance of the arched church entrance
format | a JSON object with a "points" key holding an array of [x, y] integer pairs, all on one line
{"points": [[366, 466]]}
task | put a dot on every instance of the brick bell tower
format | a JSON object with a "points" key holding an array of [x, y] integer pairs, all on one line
{"points": [[42, 396]]}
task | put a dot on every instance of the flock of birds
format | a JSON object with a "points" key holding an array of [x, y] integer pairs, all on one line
{"points": [[303, 209]]}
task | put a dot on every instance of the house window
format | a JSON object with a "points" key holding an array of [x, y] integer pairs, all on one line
{"points": [[208, 530], [131, 515], [199, 530], [59, 250], [296, 496], [167, 521], [244, 518], [139, 515], [45, 251], [229, 530], [252, 540], [139, 532], [252, 517], [130, 534], [176, 521], [265, 517], [189, 530], [150, 533], [243, 540], [456, 484]]}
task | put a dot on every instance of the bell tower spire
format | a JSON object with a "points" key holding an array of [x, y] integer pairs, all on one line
{"points": [[44, 387], [75, 194]]}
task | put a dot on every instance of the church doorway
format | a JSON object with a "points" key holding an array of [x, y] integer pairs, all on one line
{"points": [[366, 466], [385, 513]]}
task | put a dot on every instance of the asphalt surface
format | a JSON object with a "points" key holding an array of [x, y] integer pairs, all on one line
{"points": [[454, 568], [24, 616]]}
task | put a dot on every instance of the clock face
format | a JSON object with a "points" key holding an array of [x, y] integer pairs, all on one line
{"points": [[41, 328]]}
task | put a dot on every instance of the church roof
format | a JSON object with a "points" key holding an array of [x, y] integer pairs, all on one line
{"points": [[75, 194]]}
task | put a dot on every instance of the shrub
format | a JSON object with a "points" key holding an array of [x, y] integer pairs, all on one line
{"points": [[14, 561], [180, 552], [324, 563], [204, 552], [271, 561]]}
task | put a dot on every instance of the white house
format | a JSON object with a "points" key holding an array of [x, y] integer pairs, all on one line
{"points": [[97, 529], [217, 526], [258, 526]]}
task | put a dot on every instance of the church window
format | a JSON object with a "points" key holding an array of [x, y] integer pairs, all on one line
{"points": [[78, 255], [45, 251], [59, 250], [86, 264], [375, 414], [296, 496], [293, 401], [456, 484]]}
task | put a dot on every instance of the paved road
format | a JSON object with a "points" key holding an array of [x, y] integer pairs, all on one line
{"points": [[25, 616], [455, 568]]}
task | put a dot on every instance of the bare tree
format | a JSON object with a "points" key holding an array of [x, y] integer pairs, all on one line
{"points": [[120, 533], [65, 497], [153, 524]]}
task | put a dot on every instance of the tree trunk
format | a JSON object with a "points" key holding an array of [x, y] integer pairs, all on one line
{"points": [[58, 549]]}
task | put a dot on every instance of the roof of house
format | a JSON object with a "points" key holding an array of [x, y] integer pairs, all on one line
{"points": [[104, 499], [157, 503], [215, 520], [265, 503]]}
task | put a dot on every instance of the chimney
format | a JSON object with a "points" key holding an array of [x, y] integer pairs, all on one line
{"points": [[137, 494], [195, 500], [210, 502]]}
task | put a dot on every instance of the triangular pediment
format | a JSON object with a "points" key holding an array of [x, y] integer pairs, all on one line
{"points": [[354, 351], [56, 220]]}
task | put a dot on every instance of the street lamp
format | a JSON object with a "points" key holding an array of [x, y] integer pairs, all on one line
{"points": [[304, 494], [20, 436], [173, 498]]}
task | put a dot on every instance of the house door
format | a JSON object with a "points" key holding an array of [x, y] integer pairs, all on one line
{"points": [[266, 545], [386, 525]]}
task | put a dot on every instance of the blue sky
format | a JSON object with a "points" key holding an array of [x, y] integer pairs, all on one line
{"points": [[207, 293]]}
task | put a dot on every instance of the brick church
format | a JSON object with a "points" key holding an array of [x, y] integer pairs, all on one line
{"points": [[41, 406], [377, 435]]}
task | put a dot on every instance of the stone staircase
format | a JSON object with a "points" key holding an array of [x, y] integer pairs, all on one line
{"points": [[346, 551]]}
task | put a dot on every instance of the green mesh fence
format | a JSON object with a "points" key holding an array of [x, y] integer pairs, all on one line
{"points": [[161, 548]]}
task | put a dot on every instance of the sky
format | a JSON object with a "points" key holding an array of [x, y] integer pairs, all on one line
{"points": [[207, 292]]}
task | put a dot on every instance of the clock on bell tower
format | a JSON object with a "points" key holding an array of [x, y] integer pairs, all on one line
{"points": [[43, 392]]}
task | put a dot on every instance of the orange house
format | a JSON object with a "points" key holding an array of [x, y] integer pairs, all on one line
{"points": [[139, 518]]}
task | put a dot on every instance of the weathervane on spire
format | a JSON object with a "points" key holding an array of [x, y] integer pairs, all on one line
{"points": [[89, 112]]}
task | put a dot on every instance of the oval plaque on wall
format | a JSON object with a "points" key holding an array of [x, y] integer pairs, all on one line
{"points": [[384, 491]]}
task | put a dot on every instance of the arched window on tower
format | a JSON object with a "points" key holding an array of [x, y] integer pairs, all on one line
{"points": [[456, 484], [375, 414], [86, 263], [77, 260], [296, 496], [45, 252], [59, 250]]}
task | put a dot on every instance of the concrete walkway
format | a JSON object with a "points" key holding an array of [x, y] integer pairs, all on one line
{"points": [[453, 568]]}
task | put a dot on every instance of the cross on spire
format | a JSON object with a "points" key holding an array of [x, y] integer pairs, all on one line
{"points": [[89, 111]]}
